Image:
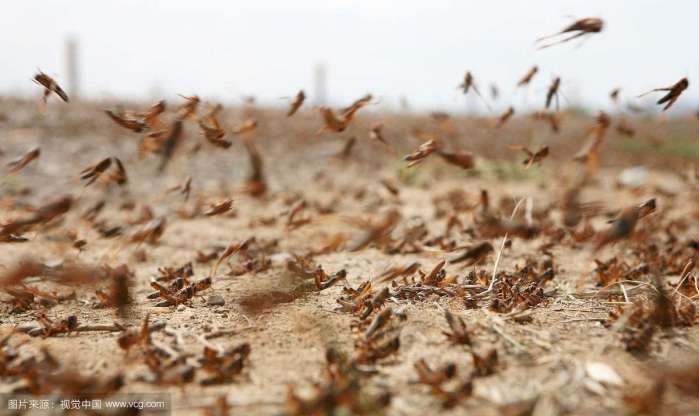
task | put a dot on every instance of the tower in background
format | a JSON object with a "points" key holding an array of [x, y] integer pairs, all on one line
{"points": [[72, 70], [320, 85]]}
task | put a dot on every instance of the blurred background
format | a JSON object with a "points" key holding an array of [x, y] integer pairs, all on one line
{"points": [[410, 54]]}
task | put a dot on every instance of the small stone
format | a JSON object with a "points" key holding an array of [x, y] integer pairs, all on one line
{"points": [[215, 300], [633, 177]]}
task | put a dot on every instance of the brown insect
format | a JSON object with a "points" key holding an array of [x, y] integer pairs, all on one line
{"points": [[297, 103], [474, 255], [376, 231], [323, 281], [624, 128], [51, 328], [527, 78], [484, 363], [117, 296], [494, 92], [100, 170], [184, 189], [50, 85], [346, 149], [532, 157], [431, 377], [189, 109], [450, 398], [247, 126], [294, 218], [219, 208], [589, 153], [337, 124], [152, 117], [376, 133], [553, 119], [469, 83], [419, 155], [151, 233], [504, 117], [390, 186], [573, 210], [80, 244], [339, 391], [553, 92], [464, 160], [490, 225], [614, 95], [586, 26], [93, 173], [24, 269], [19, 164], [382, 349], [623, 226], [42, 215], [332, 123], [178, 294], [213, 131], [137, 126], [142, 336], [673, 94], [153, 142], [356, 105], [119, 176], [224, 366], [459, 333], [171, 140], [380, 320], [256, 184], [395, 272]]}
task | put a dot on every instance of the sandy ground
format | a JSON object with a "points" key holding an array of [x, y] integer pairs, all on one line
{"points": [[285, 319]]}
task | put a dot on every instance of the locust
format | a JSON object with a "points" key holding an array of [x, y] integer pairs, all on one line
{"points": [[469, 84], [624, 225], [459, 333], [431, 377], [92, 173], [419, 155], [296, 103], [532, 157], [27, 158], [189, 109], [346, 150], [474, 254], [245, 127], [504, 117], [528, 77], [464, 160], [135, 125], [219, 208], [553, 119], [50, 85], [42, 215], [673, 93], [171, 141], [151, 118], [212, 129], [553, 92], [579, 28]]}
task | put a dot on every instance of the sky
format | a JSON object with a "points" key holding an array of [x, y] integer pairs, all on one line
{"points": [[419, 50]]}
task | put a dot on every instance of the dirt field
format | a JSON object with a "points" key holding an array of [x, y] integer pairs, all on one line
{"points": [[576, 330]]}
